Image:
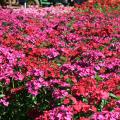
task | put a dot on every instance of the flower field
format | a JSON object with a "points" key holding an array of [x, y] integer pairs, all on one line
{"points": [[60, 63]]}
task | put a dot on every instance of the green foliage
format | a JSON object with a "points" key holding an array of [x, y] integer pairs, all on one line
{"points": [[114, 96], [101, 106], [98, 78], [2, 95]]}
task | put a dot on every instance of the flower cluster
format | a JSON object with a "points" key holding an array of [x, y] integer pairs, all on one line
{"points": [[60, 63]]}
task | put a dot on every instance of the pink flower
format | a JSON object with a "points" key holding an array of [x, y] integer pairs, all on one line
{"points": [[20, 76], [97, 68], [39, 73], [60, 93], [4, 102], [66, 101], [104, 95], [7, 81], [52, 53]]}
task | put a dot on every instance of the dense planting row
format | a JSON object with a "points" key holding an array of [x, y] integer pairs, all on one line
{"points": [[59, 64]]}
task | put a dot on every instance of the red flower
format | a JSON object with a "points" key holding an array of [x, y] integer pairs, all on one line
{"points": [[83, 118], [66, 101], [77, 108], [94, 109], [16, 90], [104, 95], [85, 108]]}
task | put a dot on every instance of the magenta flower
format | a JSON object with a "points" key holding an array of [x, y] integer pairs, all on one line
{"points": [[4, 102]]}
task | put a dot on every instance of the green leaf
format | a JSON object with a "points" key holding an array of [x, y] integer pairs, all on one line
{"points": [[59, 64], [4, 23], [118, 97], [63, 58], [103, 103], [34, 99], [96, 5], [85, 100], [69, 81], [114, 96], [2, 95], [98, 78], [78, 58], [101, 48]]}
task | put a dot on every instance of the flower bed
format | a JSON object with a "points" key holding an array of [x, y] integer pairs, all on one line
{"points": [[59, 63]]}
